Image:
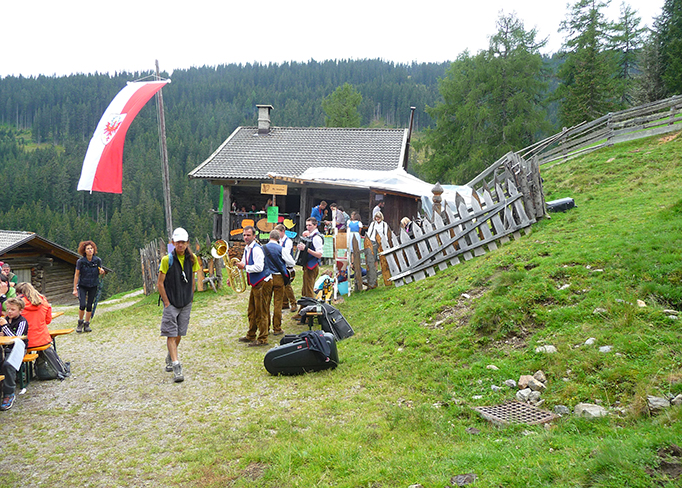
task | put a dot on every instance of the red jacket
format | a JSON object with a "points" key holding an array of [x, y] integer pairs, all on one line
{"points": [[38, 316]]}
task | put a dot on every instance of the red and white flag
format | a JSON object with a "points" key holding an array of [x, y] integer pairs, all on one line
{"points": [[102, 167]]}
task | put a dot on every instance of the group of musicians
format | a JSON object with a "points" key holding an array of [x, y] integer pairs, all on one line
{"points": [[269, 269]]}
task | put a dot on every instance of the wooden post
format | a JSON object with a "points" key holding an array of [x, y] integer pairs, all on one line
{"points": [[227, 206], [164, 159], [371, 265], [357, 265], [437, 191], [303, 212], [385, 270]]}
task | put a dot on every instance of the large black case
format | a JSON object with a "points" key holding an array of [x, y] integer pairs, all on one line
{"points": [[561, 205], [295, 358], [331, 319]]}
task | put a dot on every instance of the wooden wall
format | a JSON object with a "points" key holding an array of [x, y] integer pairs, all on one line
{"points": [[57, 283], [50, 276]]}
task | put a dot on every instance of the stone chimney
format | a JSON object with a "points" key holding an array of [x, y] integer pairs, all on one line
{"points": [[264, 118]]}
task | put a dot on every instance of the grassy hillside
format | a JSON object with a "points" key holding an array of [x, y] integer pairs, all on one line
{"points": [[400, 404], [426, 344], [398, 409]]}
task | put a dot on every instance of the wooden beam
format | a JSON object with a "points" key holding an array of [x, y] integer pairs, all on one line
{"points": [[227, 206]]}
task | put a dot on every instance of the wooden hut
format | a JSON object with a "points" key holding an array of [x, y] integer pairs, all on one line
{"points": [[49, 267], [254, 158]]}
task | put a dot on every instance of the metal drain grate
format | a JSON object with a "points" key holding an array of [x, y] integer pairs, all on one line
{"points": [[515, 413]]}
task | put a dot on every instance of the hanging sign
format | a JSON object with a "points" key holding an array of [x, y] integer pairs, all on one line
{"points": [[272, 189]]}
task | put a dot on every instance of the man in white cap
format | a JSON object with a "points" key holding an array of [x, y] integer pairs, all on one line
{"points": [[176, 290]]}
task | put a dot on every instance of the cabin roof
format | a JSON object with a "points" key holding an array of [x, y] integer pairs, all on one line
{"points": [[248, 154]]}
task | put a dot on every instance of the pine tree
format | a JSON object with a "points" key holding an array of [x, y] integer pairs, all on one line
{"points": [[669, 28], [649, 85], [626, 41], [492, 105], [341, 107], [588, 88]]}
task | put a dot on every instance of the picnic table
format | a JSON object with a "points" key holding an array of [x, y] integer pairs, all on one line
{"points": [[8, 340], [58, 332]]}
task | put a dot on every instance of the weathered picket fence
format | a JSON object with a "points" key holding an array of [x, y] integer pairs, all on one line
{"points": [[655, 118], [506, 200], [150, 260]]}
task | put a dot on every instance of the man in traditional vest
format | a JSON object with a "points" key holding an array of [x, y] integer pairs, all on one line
{"points": [[277, 259], [176, 289], [259, 277], [288, 300], [312, 266]]}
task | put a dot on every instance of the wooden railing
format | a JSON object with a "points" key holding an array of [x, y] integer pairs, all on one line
{"points": [[465, 233], [647, 120]]}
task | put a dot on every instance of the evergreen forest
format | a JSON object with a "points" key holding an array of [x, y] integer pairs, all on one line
{"points": [[468, 113], [46, 124]]}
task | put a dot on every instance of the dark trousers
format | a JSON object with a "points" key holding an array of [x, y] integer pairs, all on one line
{"points": [[309, 278], [257, 313], [9, 384], [86, 297]]}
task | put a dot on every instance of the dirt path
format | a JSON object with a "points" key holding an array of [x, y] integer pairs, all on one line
{"points": [[119, 420]]}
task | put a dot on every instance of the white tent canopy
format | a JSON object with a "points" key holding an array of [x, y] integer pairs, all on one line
{"points": [[397, 180]]}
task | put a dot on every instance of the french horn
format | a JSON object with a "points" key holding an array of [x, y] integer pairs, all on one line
{"points": [[235, 276]]}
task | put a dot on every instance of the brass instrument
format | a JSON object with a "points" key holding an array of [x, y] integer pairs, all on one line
{"points": [[235, 275]]}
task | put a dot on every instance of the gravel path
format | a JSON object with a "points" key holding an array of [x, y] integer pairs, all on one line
{"points": [[119, 420]]}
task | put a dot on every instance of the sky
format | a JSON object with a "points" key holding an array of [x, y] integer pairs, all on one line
{"points": [[87, 36]]}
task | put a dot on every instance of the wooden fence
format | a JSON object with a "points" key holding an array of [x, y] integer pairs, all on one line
{"points": [[506, 201], [209, 274], [647, 120], [150, 260]]}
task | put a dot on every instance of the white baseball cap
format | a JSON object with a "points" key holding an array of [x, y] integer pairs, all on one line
{"points": [[180, 234]]}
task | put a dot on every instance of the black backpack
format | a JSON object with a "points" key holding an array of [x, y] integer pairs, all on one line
{"points": [[50, 367], [331, 320]]}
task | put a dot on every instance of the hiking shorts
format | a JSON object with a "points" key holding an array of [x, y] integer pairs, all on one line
{"points": [[174, 321]]}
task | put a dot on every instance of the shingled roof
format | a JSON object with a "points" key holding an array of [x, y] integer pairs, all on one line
{"points": [[246, 154], [11, 240]]}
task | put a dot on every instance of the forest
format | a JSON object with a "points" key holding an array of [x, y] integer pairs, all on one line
{"points": [[468, 113], [47, 122]]}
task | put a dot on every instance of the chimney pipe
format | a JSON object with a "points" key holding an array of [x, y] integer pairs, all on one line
{"points": [[264, 118]]}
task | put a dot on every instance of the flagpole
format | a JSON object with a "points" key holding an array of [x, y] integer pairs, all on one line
{"points": [[164, 160]]}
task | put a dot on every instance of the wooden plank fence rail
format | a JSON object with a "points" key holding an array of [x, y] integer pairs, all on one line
{"points": [[466, 233], [655, 118], [150, 260]]}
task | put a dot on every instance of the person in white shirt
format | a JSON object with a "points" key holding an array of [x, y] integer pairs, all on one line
{"points": [[260, 278], [312, 266], [377, 227], [378, 208]]}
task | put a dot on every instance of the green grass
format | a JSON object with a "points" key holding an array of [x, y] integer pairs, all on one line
{"points": [[404, 389], [397, 409]]}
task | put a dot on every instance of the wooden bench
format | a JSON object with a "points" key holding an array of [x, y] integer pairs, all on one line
{"points": [[57, 314], [26, 370], [310, 316], [58, 332]]}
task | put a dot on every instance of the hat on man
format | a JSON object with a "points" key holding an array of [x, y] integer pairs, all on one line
{"points": [[180, 234]]}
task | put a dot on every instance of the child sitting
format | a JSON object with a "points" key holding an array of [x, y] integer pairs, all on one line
{"points": [[11, 325]]}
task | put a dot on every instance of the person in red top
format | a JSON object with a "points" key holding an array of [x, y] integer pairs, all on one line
{"points": [[38, 313]]}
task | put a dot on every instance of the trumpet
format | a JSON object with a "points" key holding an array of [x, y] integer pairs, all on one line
{"points": [[235, 276]]}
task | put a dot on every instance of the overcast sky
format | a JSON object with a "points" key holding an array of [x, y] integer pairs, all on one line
{"points": [[87, 36]]}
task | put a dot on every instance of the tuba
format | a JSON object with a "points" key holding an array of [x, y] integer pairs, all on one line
{"points": [[235, 276]]}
